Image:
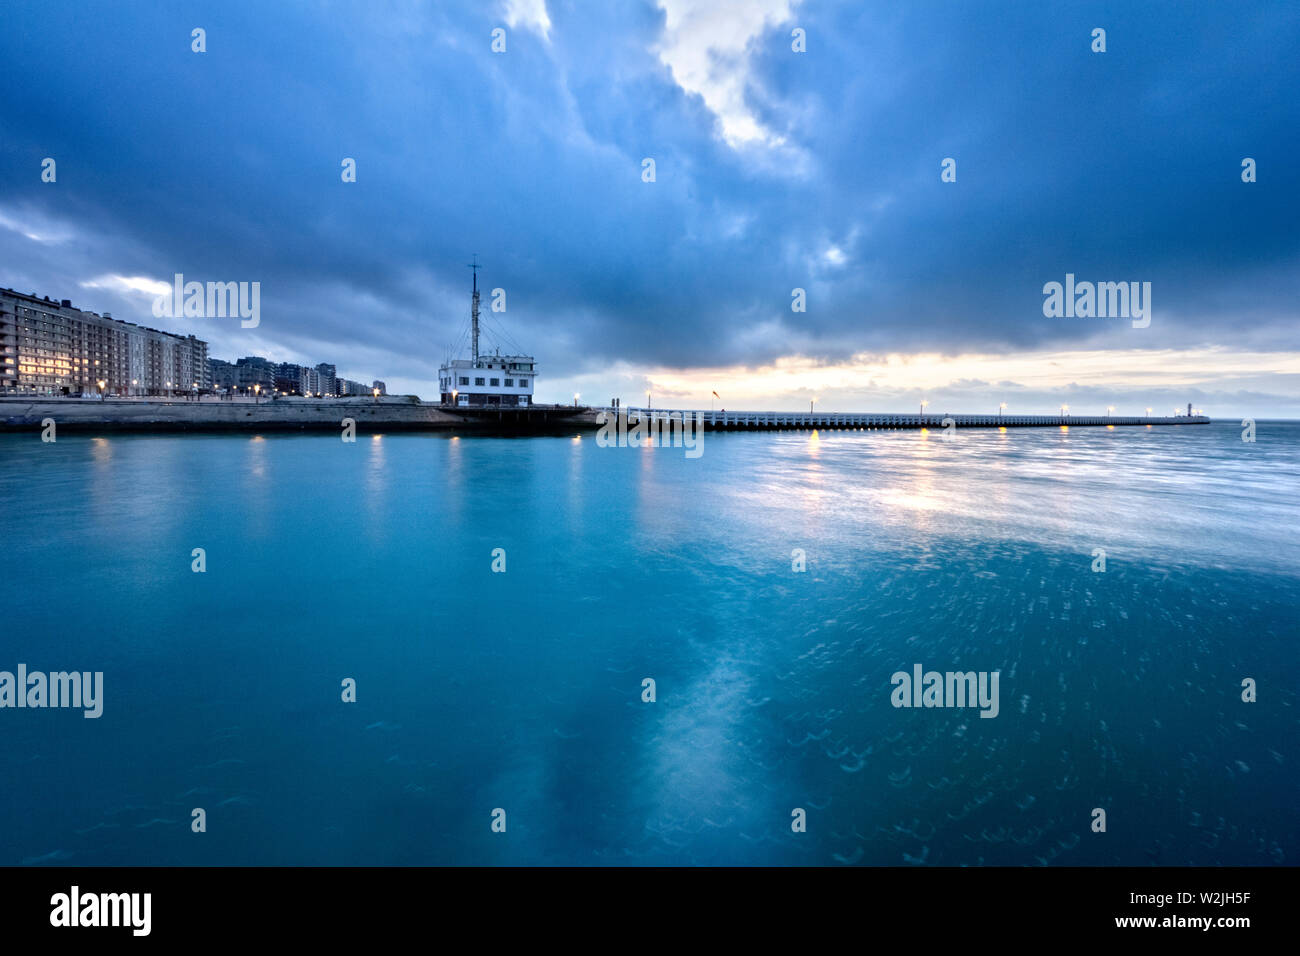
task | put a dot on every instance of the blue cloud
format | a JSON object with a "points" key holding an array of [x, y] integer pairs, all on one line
{"points": [[225, 165]]}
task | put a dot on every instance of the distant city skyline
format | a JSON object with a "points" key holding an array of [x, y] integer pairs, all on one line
{"points": [[919, 173], [51, 346]]}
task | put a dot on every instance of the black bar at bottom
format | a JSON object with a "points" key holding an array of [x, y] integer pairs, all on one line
{"points": [[209, 905]]}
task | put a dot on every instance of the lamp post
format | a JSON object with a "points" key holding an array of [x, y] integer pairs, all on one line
{"points": [[102, 383], [376, 394], [575, 399], [1109, 409], [454, 393], [810, 405], [1000, 408], [924, 402], [1064, 409], [1148, 411], [257, 392]]}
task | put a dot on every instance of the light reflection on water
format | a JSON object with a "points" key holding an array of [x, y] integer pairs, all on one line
{"points": [[1184, 493], [372, 560]]}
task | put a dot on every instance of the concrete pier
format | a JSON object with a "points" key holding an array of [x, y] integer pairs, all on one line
{"points": [[775, 421]]}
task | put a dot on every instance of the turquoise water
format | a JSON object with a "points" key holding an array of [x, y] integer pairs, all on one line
{"points": [[522, 690]]}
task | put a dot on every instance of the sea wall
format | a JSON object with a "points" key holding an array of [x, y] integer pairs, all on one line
{"points": [[162, 415]]}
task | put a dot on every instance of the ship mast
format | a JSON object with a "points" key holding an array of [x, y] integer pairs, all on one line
{"points": [[474, 310]]}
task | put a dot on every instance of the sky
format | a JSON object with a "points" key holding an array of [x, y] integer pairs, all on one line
{"points": [[775, 170]]}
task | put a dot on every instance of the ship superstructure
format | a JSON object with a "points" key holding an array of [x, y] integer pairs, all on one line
{"points": [[486, 379]]}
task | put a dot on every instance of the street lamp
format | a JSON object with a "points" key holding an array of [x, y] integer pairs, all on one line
{"points": [[924, 402], [1148, 411], [257, 389], [575, 399], [102, 383], [810, 405], [1000, 407], [1064, 410], [376, 392], [454, 393], [1109, 409]]}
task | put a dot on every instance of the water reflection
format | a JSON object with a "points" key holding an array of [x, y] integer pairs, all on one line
{"points": [[257, 489], [101, 451], [375, 495], [577, 487], [451, 483], [257, 456], [695, 759]]}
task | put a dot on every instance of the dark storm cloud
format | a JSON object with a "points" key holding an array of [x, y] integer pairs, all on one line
{"points": [[225, 165]]}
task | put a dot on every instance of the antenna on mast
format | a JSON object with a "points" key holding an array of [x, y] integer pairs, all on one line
{"points": [[474, 310]]}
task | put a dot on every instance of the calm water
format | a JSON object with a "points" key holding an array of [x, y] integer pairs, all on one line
{"points": [[522, 690]]}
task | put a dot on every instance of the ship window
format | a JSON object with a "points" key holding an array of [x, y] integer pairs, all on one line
{"points": [[464, 381], [478, 381], [510, 383], [496, 382]]}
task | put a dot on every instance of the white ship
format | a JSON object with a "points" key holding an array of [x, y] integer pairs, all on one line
{"points": [[486, 379]]}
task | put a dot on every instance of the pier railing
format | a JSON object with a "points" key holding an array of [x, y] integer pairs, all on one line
{"points": [[740, 421]]}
